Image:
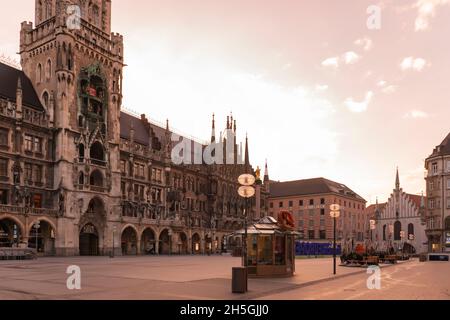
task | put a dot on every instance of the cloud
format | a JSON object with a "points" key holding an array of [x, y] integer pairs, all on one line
{"points": [[389, 89], [331, 62], [416, 64], [426, 11], [287, 66], [416, 114], [385, 88], [366, 43], [358, 107], [321, 87], [381, 83], [350, 57]]}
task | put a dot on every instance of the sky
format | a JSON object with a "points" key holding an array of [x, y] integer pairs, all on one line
{"points": [[346, 90]]}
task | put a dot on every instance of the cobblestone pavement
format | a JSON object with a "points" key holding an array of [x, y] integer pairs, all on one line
{"points": [[202, 277]]}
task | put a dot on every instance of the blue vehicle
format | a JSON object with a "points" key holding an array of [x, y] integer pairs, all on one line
{"points": [[316, 249]]}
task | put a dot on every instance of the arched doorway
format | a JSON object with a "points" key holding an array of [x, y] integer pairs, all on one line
{"points": [[129, 242], [148, 242], [208, 244], [89, 241], [42, 238], [10, 233], [164, 242], [183, 244], [196, 244], [92, 225], [397, 231]]}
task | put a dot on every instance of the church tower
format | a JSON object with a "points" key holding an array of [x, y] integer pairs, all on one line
{"points": [[76, 64]]}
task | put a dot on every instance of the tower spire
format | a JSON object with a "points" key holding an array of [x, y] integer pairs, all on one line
{"points": [[397, 181], [266, 173], [213, 132]]}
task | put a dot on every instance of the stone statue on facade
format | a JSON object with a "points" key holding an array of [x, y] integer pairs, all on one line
{"points": [[62, 201]]}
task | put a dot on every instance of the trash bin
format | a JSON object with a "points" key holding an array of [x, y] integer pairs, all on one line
{"points": [[423, 258], [239, 280]]}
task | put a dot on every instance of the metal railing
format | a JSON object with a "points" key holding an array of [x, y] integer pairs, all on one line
{"points": [[32, 211]]}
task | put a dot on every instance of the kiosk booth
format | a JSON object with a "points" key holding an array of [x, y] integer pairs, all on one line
{"points": [[271, 247]]}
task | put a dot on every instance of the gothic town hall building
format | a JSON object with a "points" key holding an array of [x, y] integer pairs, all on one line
{"points": [[79, 176]]}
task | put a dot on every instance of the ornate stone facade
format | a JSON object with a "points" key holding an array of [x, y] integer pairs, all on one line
{"points": [[97, 179], [438, 194]]}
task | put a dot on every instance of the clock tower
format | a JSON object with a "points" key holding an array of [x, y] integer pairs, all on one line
{"points": [[75, 64]]}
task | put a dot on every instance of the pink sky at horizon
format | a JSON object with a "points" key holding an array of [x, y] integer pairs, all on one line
{"points": [[314, 100]]}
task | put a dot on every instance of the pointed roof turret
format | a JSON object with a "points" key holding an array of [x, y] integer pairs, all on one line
{"points": [[213, 129], [397, 181]]}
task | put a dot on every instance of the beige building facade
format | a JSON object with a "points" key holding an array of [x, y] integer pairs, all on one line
{"points": [[437, 167], [309, 201]]}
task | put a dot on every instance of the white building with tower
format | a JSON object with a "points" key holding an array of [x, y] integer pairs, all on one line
{"points": [[400, 222]]}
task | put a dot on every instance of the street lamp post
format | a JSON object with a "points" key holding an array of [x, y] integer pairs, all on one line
{"points": [[246, 191], [170, 242], [334, 213], [373, 226], [113, 244], [36, 227]]}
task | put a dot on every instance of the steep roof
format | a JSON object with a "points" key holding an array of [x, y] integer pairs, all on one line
{"points": [[443, 148], [310, 186], [8, 86], [141, 134], [416, 199], [370, 210]]}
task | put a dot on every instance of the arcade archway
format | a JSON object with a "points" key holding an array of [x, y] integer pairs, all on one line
{"points": [[10, 233], [196, 243], [92, 225], [42, 238], [129, 242], [164, 242], [183, 244], [89, 241], [148, 242], [208, 244]]}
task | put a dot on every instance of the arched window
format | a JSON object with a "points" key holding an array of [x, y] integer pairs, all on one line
{"points": [[96, 179], [81, 121], [384, 232], [397, 231], [45, 99], [97, 152], [410, 229], [39, 73], [48, 70], [81, 179], [81, 152]]}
